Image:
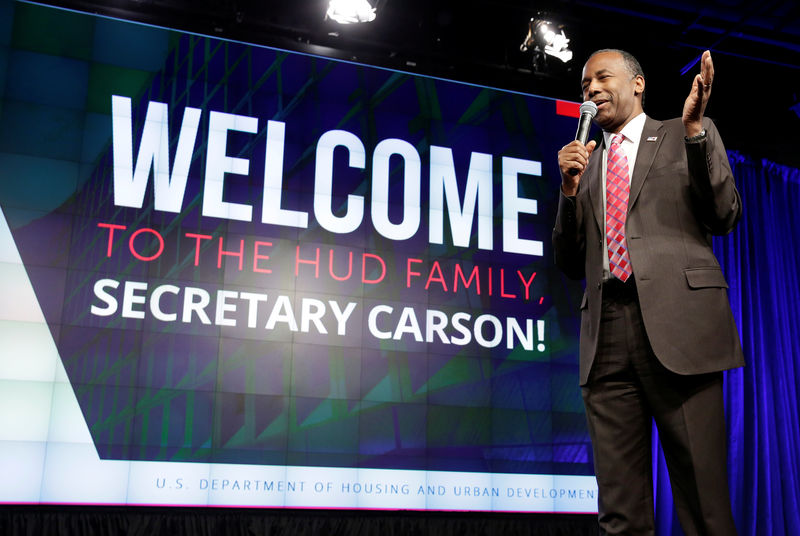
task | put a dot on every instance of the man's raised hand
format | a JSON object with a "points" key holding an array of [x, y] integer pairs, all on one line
{"points": [[695, 105]]}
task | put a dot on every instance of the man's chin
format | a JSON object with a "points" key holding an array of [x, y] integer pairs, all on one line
{"points": [[603, 122]]}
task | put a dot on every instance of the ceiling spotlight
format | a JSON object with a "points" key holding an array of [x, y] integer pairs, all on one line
{"points": [[350, 11], [546, 38]]}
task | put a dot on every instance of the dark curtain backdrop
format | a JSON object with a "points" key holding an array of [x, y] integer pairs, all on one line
{"points": [[761, 260]]}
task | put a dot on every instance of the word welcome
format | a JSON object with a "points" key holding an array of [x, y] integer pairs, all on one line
{"points": [[476, 208]]}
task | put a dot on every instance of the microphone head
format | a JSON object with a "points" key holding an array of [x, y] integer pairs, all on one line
{"points": [[588, 107]]}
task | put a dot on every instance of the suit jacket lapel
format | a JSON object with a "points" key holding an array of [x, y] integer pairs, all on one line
{"points": [[644, 158], [596, 194]]}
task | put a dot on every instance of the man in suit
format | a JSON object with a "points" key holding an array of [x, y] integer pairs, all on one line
{"points": [[634, 219]]}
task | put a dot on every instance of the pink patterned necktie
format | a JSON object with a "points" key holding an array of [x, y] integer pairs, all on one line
{"points": [[618, 186]]}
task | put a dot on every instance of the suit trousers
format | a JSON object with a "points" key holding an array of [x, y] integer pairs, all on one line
{"points": [[628, 388]]}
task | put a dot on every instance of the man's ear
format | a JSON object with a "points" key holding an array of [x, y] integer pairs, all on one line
{"points": [[638, 84]]}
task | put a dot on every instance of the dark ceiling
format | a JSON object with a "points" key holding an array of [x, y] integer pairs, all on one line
{"points": [[755, 45]]}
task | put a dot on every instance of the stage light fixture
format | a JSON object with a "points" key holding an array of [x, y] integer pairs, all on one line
{"points": [[546, 39], [350, 11]]}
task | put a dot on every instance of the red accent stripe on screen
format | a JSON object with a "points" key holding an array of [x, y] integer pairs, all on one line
{"points": [[567, 108]]}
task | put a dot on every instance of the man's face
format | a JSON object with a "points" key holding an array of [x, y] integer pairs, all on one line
{"points": [[608, 83]]}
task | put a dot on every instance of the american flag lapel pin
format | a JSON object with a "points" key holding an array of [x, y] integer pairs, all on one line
{"points": [[652, 138]]}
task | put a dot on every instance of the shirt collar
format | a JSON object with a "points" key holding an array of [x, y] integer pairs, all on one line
{"points": [[632, 131]]}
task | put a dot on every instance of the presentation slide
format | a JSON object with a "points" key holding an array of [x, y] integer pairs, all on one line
{"points": [[232, 275]]}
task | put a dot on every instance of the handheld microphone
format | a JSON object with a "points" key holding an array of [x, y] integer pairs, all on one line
{"points": [[587, 110]]}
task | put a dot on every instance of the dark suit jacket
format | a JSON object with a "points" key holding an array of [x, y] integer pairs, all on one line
{"points": [[681, 194]]}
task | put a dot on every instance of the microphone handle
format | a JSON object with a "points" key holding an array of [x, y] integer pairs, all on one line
{"points": [[584, 125]]}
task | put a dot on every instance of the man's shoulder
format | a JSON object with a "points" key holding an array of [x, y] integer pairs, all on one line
{"points": [[677, 122], [669, 124]]}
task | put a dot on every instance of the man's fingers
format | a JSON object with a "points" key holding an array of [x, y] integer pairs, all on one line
{"points": [[577, 158], [702, 87], [575, 155], [573, 164], [579, 148], [707, 68]]}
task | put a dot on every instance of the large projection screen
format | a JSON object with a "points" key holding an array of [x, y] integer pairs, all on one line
{"points": [[232, 275]]}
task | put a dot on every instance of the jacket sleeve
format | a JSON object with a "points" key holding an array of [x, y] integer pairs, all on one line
{"points": [[717, 203], [569, 239]]}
